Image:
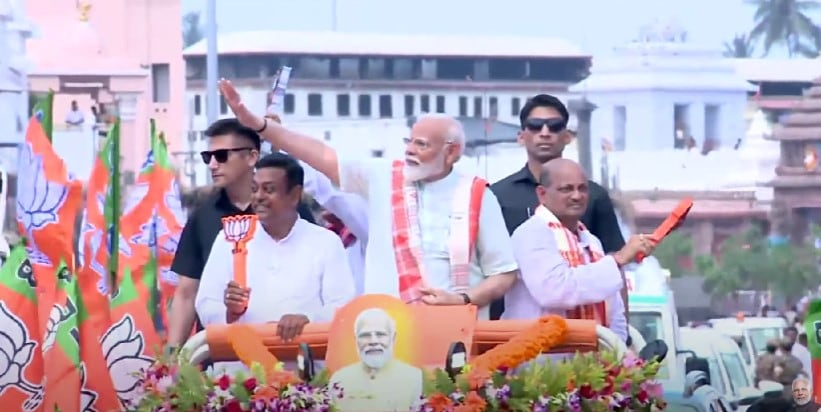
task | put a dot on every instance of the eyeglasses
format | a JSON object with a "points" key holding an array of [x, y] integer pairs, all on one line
{"points": [[419, 143], [554, 124], [220, 155]]}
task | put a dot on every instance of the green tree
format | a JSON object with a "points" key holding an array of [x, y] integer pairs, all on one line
{"points": [[191, 29], [740, 47], [747, 261], [784, 22], [676, 247]]}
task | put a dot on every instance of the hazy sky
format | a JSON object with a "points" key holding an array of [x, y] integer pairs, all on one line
{"points": [[610, 23]]}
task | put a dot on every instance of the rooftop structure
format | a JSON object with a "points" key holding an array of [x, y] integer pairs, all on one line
{"points": [[797, 184], [121, 57], [333, 43]]}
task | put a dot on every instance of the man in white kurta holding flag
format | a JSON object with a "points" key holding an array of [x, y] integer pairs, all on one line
{"points": [[563, 267], [435, 236]]}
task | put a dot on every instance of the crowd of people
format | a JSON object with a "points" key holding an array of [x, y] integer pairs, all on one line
{"points": [[544, 240]]}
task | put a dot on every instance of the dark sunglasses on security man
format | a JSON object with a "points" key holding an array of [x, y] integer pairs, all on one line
{"points": [[554, 124], [220, 155]]}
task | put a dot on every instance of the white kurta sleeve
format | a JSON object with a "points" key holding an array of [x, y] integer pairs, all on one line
{"points": [[350, 208], [217, 273], [337, 282], [551, 281], [355, 174]]}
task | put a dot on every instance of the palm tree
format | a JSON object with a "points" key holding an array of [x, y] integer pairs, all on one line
{"points": [[784, 22], [740, 47], [191, 29]]}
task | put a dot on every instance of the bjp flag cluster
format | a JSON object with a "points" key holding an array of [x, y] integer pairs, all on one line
{"points": [[77, 333]]}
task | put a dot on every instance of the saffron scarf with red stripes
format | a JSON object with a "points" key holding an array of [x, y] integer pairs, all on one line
{"points": [[574, 255], [407, 240]]}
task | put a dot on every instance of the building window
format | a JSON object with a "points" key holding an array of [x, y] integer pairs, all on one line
{"points": [[712, 123], [440, 104], [161, 82], [197, 105], [385, 106], [515, 106], [364, 105], [682, 134], [619, 128], [493, 107], [289, 105], [424, 103], [463, 106], [343, 105], [409, 109], [314, 104], [477, 107]]}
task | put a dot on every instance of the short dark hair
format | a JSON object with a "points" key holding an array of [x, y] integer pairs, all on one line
{"points": [[542, 100], [294, 174], [792, 329], [232, 126]]}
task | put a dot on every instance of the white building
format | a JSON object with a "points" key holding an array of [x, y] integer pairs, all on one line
{"points": [[660, 92], [356, 91]]}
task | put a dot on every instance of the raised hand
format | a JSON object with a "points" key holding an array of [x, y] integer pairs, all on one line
{"points": [[243, 114]]}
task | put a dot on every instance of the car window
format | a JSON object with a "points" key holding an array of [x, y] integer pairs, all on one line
{"points": [[649, 325], [760, 337], [735, 370], [745, 350], [716, 380]]}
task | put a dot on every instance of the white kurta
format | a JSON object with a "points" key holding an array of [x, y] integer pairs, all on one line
{"points": [[371, 179], [351, 209], [302, 274]]}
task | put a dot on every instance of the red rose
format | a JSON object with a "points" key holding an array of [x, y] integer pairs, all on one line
{"points": [[586, 392], [232, 406], [224, 382], [250, 384], [642, 396]]}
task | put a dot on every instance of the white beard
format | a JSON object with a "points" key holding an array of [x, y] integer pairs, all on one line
{"points": [[415, 173], [376, 361]]}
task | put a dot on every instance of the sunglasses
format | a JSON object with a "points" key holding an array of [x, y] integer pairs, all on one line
{"points": [[554, 124], [220, 155]]}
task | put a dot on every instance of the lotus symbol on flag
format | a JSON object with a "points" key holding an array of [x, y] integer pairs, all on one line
{"points": [[123, 349], [38, 199], [172, 201], [135, 195], [87, 396], [16, 350], [57, 316], [237, 228]]}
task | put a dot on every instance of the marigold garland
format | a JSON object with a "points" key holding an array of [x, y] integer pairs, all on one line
{"points": [[548, 332]]}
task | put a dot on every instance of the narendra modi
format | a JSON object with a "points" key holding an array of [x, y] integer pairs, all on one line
{"points": [[379, 381]]}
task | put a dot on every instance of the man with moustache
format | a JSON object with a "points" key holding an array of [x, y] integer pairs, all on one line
{"points": [[544, 134], [379, 381], [563, 267], [233, 150], [435, 236], [291, 272], [802, 396]]}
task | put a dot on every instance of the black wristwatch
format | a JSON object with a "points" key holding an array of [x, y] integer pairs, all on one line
{"points": [[466, 298]]}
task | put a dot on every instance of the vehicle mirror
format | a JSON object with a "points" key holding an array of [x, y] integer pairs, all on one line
{"points": [[654, 351]]}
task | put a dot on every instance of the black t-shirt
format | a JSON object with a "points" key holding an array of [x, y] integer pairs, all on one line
{"points": [[202, 228]]}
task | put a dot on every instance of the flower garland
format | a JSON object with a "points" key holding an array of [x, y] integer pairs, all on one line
{"points": [[547, 333], [588, 382], [571, 385]]}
